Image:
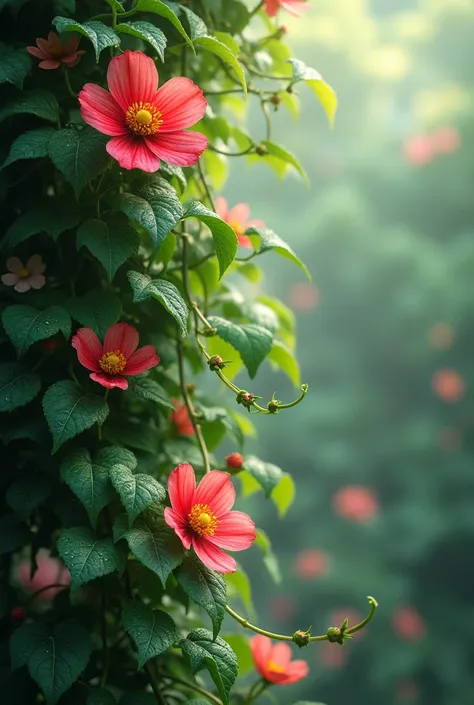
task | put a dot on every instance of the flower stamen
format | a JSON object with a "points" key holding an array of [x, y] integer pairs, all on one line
{"points": [[143, 119], [202, 520], [113, 363], [275, 667], [24, 273]]}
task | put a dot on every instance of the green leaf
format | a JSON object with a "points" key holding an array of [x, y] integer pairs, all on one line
{"points": [[265, 240], [269, 558], [240, 586], [147, 32], [25, 325], [30, 145], [87, 556], [276, 150], [156, 208], [133, 432], [15, 65], [157, 7], [215, 656], [70, 411], [241, 648], [225, 239], [89, 480], [284, 494], [197, 27], [205, 587], [56, 656], [166, 293], [18, 386], [148, 389], [52, 218], [112, 246], [114, 455], [325, 94], [155, 545], [98, 309], [13, 534], [267, 475], [114, 4], [229, 41], [214, 46], [153, 631], [98, 33], [283, 358], [79, 155], [27, 493], [253, 343], [100, 696], [137, 492], [40, 103]]}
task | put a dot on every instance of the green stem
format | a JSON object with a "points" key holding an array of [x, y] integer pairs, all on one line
{"points": [[267, 116], [192, 686], [231, 154], [256, 9], [206, 187], [68, 83], [373, 608], [269, 76], [154, 685], [304, 391], [257, 689]]}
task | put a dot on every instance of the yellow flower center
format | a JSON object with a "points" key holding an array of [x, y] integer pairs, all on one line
{"points": [[275, 667], [24, 273], [237, 228], [202, 520], [113, 363], [143, 119]]}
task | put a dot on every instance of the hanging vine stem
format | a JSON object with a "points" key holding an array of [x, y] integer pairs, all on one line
{"points": [[191, 686]]}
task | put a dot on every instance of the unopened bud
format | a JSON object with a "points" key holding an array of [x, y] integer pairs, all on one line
{"points": [[276, 100], [235, 461], [261, 150], [191, 387], [273, 406], [335, 635], [208, 332], [18, 614], [216, 363], [282, 28], [301, 638]]}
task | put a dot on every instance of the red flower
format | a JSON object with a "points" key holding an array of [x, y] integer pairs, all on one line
{"points": [[408, 623], [295, 7], [446, 140], [202, 518], [235, 461], [145, 124], [50, 570], [54, 53], [274, 662], [448, 385], [118, 356], [180, 418], [312, 563], [237, 218], [355, 503], [419, 150]]}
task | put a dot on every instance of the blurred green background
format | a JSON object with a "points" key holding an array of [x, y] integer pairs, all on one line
{"points": [[385, 335]]}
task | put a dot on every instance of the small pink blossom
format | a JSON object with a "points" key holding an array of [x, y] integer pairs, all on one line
{"points": [[181, 420], [304, 296], [22, 277], [201, 517], [294, 7], [116, 357], [419, 150], [408, 623], [312, 563], [356, 503], [50, 571], [237, 218], [274, 663], [448, 385], [54, 53], [146, 124], [446, 140]]}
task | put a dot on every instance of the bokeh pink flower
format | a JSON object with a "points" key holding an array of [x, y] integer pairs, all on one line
{"points": [[146, 123], [273, 661], [448, 385], [25, 277], [356, 503], [408, 624], [202, 518], [312, 563], [53, 52], [50, 571], [238, 219], [304, 296], [294, 7]]}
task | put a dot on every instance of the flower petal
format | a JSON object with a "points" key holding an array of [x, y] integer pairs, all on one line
{"points": [[123, 337], [72, 59], [244, 241], [181, 489], [178, 148], [109, 381], [295, 671], [10, 279], [281, 654], [46, 45], [261, 648], [213, 557], [53, 38], [239, 213], [222, 209], [101, 111], [132, 78], [294, 7], [180, 527], [37, 281], [22, 286], [88, 347], [236, 532], [271, 7], [216, 490], [181, 104], [14, 264], [39, 53], [142, 359], [49, 64], [35, 265], [133, 153], [70, 47]]}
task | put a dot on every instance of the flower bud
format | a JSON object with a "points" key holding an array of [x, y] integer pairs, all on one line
{"points": [[261, 150], [301, 638], [18, 614], [235, 461], [335, 635], [216, 363], [191, 388], [273, 406], [276, 100], [208, 332], [246, 398]]}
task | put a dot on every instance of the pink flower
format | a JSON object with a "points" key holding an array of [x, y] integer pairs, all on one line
{"points": [[24, 278], [180, 419], [448, 385], [312, 563], [418, 150], [304, 296], [237, 218], [295, 7], [50, 570], [202, 518], [446, 140], [408, 623], [54, 53], [356, 503], [118, 356], [274, 662], [145, 124]]}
